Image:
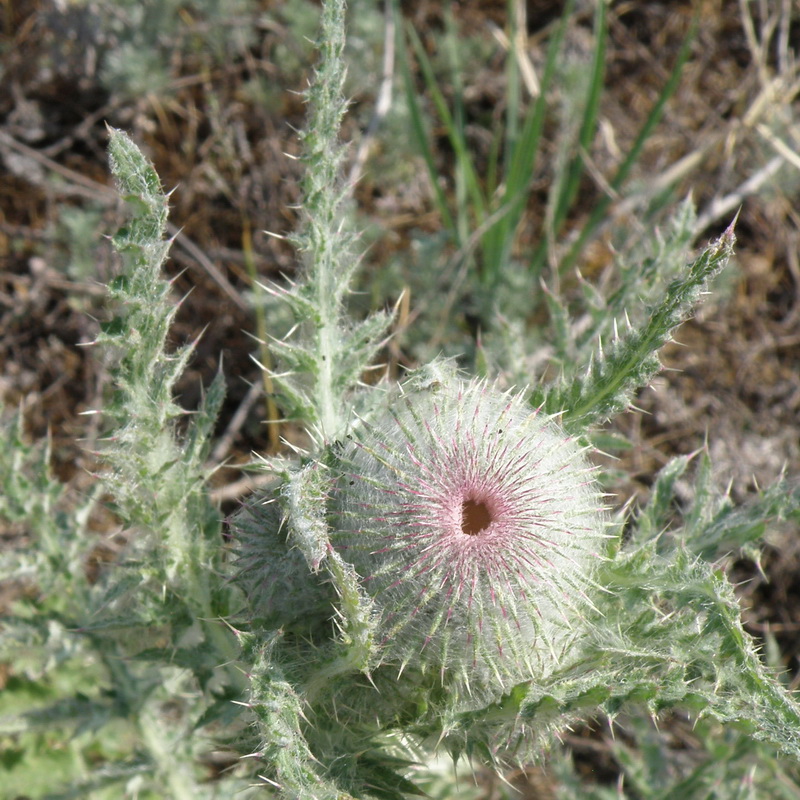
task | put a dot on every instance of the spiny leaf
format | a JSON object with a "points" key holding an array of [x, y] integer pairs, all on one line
{"points": [[630, 362]]}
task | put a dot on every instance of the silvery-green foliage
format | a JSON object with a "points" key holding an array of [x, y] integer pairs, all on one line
{"points": [[322, 359], [722, 763], [481, 600], [138, 41], [638, 279], [436, 574], [592, 392], [133, 650]]}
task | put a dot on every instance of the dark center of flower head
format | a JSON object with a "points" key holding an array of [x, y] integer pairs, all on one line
{"points": [[475, 517]]}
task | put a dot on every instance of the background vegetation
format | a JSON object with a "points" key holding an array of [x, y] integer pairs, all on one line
{"points": [[633, 109]]}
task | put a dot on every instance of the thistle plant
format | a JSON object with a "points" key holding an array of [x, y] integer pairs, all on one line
{"points": [[480, 596], [435, 570], [475, 526], [465, 586]]}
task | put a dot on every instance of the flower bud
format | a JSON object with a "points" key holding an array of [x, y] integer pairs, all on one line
{"points": [[281, 589], [475, 525]]}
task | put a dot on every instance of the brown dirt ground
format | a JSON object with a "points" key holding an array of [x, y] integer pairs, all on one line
{"points": [[733, 382]]}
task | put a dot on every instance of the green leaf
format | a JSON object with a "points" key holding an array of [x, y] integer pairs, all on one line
{"points": [[629, 362]]}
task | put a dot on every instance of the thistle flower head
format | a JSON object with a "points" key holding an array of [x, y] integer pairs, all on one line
{"points": [[281, 589], [474, 523]]}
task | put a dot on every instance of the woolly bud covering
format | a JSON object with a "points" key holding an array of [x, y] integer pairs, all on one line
{"points": [[281, 589], [474, 523]]}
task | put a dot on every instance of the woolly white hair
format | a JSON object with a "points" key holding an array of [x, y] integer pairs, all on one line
{"points": [[475, 524]]}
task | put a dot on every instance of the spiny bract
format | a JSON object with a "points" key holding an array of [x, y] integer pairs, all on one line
{"points": [[281, 589], [475, 525]]}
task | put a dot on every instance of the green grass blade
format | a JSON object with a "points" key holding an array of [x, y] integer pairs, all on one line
{"points": [[522, 151], [600, 210], [567, 180], [576, 169], [455, 135], [422, 139]]}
